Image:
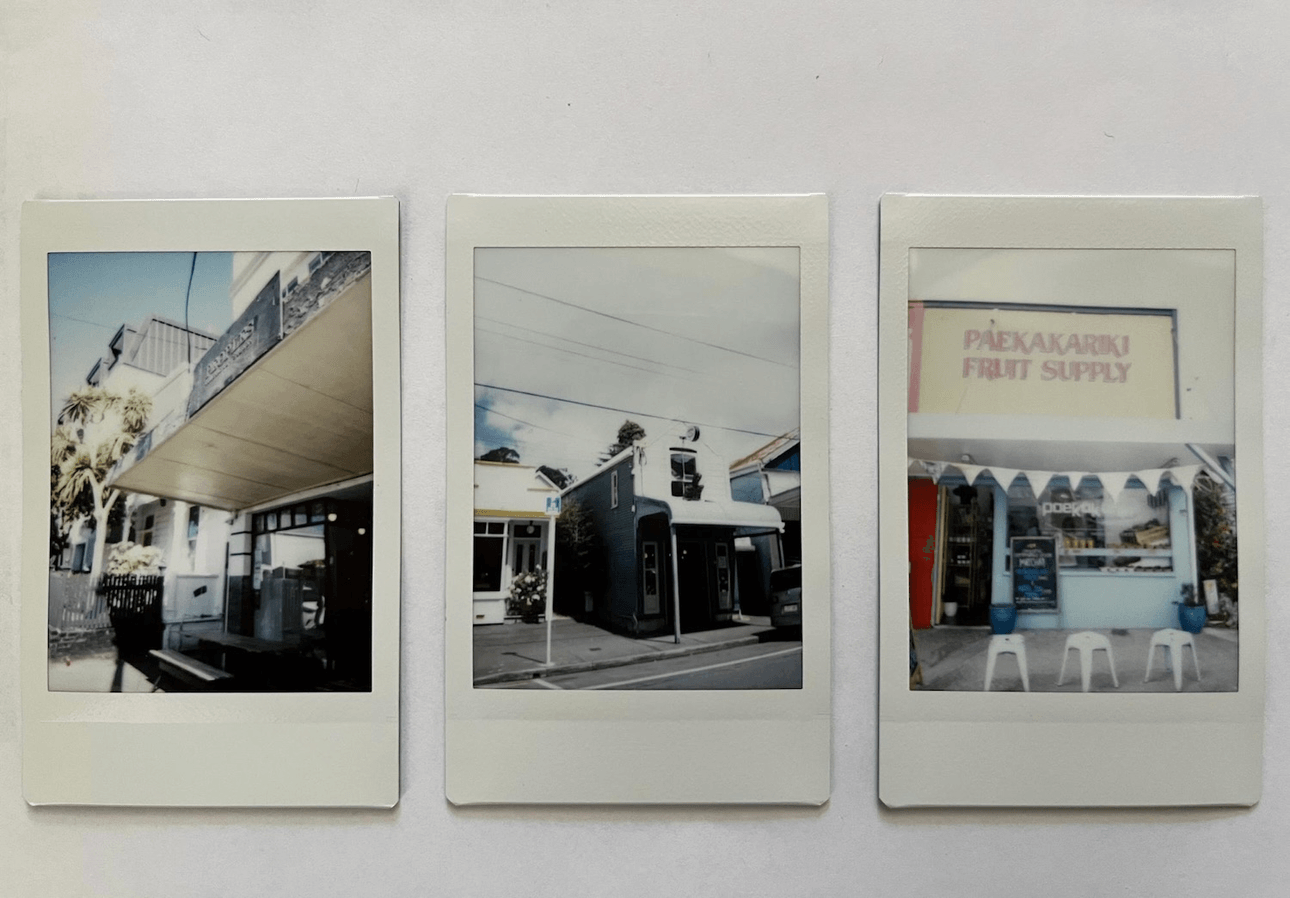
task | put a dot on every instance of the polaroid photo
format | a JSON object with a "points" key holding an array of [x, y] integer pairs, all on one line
{"points": [[211, 411], [638, 547], [1070, 407]]}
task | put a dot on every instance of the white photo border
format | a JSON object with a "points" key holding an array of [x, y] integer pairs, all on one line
{"points": [[212, 750], [639, 747], [1047, 749]]}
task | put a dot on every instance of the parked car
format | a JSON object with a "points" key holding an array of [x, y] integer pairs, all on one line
{"points": [[786, 596]]}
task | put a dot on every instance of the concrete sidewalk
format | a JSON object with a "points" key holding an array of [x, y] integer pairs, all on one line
{"points": [[954, 658], [517, 651], [96, 673]]}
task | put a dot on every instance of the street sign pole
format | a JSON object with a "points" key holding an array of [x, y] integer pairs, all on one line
{"points": [[552, 512]]}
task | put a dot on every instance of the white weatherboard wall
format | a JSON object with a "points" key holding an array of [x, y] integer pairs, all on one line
{"points": [[295, 98]]}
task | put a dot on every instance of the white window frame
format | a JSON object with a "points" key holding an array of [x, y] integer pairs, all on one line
{"points": [[613, 489]]}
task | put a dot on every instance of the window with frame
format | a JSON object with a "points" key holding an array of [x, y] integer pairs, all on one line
{"points": [[1094, 531], [194, 522], [651, 588], [145, 532], [613, 489], [489, 553], [684, 472]]}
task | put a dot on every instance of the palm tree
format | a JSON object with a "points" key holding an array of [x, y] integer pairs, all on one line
{"points": [[107, 425]]}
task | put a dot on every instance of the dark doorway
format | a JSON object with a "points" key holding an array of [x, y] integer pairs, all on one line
{"points": [[695, 574]]}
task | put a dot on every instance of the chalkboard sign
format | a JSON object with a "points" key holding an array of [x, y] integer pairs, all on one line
{"points": [[1034, 573]]}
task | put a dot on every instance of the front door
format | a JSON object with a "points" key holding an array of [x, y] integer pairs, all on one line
{"points": [[526, 556], [694, 573]]}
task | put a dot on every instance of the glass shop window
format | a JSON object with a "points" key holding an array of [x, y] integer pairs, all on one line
{"points": [[1093, 531], [490, 537]]}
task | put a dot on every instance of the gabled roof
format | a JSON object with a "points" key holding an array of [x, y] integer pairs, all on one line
{"points": [[771, 452]]}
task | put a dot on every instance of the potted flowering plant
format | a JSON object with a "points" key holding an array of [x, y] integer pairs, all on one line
{"points": [[528, 596]]}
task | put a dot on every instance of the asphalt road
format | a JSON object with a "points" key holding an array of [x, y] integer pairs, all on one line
{"points": [[768, 665]]}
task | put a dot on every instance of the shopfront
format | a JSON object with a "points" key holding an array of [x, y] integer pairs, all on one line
{"points": [[1118, 557], [1054, 444]]}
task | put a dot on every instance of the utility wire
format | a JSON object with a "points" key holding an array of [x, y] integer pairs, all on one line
{"points": [[188, 334], [584, 355], [626, 411], [648, 327], [493, 411], [532, 330], [110, 327]]}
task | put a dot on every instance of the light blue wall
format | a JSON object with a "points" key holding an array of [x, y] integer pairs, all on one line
{"points": [[1094, 600]]}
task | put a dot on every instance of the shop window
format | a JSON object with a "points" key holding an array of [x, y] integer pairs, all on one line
{"points": [[194, 522], [723, 576], [650, 587], [490, 539], [1094, 531]]}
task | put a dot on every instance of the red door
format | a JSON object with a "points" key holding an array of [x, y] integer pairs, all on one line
{"points": [[922, 551]]}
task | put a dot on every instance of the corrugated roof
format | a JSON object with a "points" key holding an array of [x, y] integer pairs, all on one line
{"points": [[771, 450]]}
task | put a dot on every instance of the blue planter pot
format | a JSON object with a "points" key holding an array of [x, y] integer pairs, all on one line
{"points": [[1003, 618], [1191, 618]]}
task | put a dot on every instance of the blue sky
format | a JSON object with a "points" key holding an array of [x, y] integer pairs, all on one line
{"points": [[92, 294]]}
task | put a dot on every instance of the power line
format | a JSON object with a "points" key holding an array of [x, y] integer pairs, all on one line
{"points": [[583, 355], [533, 330], [188, 333], [627, 411], [85, 321], [648, 327], [492, 411]]}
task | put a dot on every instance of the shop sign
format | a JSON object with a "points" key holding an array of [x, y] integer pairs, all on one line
{"points": [[1002, 360], [1034, 573], [253, 334]]}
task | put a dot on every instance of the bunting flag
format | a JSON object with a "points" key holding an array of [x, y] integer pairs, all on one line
{"points": [[1150, 478], [1113, 484], [1184, 475], [1039, 480], [1003, 476]]}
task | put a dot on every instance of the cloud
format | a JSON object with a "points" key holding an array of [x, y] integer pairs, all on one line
{"points": [[570, 342]]}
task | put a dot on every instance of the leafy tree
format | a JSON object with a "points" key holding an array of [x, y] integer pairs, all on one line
{"points": [[97, 428], [559, 476], [579, 561], [1216, 533], [504, 454], [628, 433]]}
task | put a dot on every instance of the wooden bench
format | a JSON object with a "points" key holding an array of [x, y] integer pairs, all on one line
{"points": [[189, 670]]}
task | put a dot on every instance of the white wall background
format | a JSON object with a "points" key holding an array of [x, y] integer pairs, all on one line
{"points": [[242, 99]]}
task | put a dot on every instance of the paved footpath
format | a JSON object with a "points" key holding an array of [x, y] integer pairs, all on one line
{"points": [[508, 652], [954, 658]]}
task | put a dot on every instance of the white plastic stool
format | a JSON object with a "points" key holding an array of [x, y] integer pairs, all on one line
{"points": [[1007, 644], [1174, 641], [1087, 643]]}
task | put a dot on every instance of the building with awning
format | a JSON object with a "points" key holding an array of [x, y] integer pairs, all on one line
{"points": [[276, 431], [667, 526], [1073, 406], [515, 507]]}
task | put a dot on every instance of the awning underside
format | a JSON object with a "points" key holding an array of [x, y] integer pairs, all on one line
{"points": [[301, 417]]}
